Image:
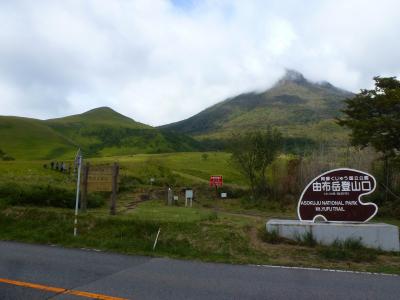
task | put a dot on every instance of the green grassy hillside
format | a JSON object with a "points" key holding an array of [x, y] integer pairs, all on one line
{"points": [[24, 138], [98, 116], [298, 107], [99, 132], [105, 132]]}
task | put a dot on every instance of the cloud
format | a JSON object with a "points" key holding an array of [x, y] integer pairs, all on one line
{"points": [[162, 61]]}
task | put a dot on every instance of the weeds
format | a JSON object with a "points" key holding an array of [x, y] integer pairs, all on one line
{"points": [[309, 240], [212, 216], [350, 249], [271, 237]]}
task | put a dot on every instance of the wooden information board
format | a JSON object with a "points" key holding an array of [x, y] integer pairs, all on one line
{"points": [[100, 178]]}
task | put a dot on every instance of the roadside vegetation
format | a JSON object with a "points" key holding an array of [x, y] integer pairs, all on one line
{"points": [[199, 233]]}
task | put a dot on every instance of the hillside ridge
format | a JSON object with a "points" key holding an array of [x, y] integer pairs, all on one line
{"points": [[99, 132]]}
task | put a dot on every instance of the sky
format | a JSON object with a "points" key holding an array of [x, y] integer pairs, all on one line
{"points": [[161, 61]]}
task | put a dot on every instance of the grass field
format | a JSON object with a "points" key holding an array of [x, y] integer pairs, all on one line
{"points": [[188, 168], [189, 233], [190, 165], [213, 230]]}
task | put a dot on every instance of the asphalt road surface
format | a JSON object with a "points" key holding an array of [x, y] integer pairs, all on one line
{"points": [[46, 272]]}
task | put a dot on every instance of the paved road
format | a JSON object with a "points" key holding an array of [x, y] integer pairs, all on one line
{"points": [[72, 272]]}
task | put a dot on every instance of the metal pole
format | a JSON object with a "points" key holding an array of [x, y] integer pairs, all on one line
{"points": [[77, 191]]}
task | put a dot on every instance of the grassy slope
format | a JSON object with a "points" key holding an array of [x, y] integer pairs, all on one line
{"points": [[83, 128], [99, 132], [99, 116], [24, 138], [298, 108], [104, 132], [190, 165]]}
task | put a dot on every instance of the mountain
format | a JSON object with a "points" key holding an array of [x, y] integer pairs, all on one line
{"points": [[303, 110], [298, 107], [99, 116], [99, 132]]}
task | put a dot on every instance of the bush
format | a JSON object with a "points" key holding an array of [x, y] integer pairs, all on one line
{"points": [[43, 195], [4, 156], [95, 200], [128, 183], [8, 158], [233, 192]]}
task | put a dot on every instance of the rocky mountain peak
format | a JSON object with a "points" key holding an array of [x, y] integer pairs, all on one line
{"points": [[292, 76]]}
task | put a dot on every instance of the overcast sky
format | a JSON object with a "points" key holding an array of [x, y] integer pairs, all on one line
{"points": [[162, 61]]}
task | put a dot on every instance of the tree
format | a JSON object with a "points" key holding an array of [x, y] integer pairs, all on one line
{"points": [[252, 153], [374, 119]]}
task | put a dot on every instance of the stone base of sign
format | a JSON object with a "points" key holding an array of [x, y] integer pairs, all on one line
{"points": [[372, 235]]}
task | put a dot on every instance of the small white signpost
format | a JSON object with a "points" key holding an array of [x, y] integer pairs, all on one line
{"points": [[188, 197]]}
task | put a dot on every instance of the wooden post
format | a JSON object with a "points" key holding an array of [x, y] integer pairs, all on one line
{"points": [[114, 189], [85, 188]]}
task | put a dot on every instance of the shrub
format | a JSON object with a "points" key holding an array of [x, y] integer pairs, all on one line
{"points": [[233, 192], [8, 158], [95, 200], [43, 195], [128, 183]]}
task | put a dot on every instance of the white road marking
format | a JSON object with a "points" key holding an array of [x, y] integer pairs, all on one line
{"points": [[326, 270]]}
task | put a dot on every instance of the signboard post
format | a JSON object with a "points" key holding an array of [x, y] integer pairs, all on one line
{"points": [[217, 181], [335, 196], [100, 178], [188, 197]]}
